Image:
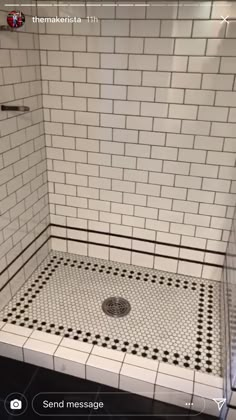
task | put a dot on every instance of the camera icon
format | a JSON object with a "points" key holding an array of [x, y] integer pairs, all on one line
{"points": [[15, 405]]}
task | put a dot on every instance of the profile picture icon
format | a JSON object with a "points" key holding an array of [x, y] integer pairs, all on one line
{"points": [[15, 19]]}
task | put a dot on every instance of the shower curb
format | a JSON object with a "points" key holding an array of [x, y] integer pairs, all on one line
{"points": [[183, 387]]}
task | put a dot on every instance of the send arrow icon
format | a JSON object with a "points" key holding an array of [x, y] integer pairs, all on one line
{"points": [[220, 402]]}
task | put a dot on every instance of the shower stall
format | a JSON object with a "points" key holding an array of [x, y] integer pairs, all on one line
{"points": [[117, 195]]}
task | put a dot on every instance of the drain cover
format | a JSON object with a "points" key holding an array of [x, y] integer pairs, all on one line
{"points": [[116, 307]]}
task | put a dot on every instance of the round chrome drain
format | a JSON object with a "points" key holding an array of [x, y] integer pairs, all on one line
{"points": [[116, 306]]}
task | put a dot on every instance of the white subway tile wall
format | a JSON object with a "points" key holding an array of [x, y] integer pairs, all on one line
{"points": [[141, 122], [24, 211]]}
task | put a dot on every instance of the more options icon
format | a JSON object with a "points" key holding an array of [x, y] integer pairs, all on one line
{"points": [[16, 404]]}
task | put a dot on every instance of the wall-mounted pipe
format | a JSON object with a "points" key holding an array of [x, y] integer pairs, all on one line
{"points": [[20, 108]]}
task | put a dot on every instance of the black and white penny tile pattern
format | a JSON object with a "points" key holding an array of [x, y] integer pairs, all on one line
{"points": [[173, 318]]}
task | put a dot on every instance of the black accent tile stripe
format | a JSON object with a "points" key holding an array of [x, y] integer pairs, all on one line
{"points": [[109, 246], [116, 235], [19, 269], [23, 251], [135, 250]]}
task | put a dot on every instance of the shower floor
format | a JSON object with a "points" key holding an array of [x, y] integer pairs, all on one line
{"points": [[174, 319]]}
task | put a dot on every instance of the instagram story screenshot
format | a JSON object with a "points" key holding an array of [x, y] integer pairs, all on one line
{"points": [[117, 209]]}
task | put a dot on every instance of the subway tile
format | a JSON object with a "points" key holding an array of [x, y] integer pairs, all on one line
{"points": [[111, 61], [228, 65], [129, 45], [145, 28], [59, 58], [100, 133], [160, 178], [73, 74], [186, 80], [179, 140], [142, 259], [176, 29], [172, 63], [166, 264], [166, 153], [176, 167], [123, 186], [141, 93], [199, 97], [142, 62], [164, 46], [229, 145], [151, 138], [208, 29], [167, 125], [84, 59], [137, 150], [158, 79], [162, 11], [183, 111], [87, 118], [222, 8], [201, 196], [208, 233], [99, 76], [198, 169], [100, 44], [217, 82], [221, 47], [126, 107], [216, 184], [226, 98], [196, 127], [188, 268], [173, 192], [190, 11], [128, 12], [124, 162], [72, 43], [113, 92], [116, 121], [114, 27], [190, 46], [150, 164], [188, 181], [169, 95], [204, 64], [212, 113], [136, 176], [189, 206], [220, 158], [58, 28], [127, 77], [140, 123], [61, 88], [149, 189]]}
